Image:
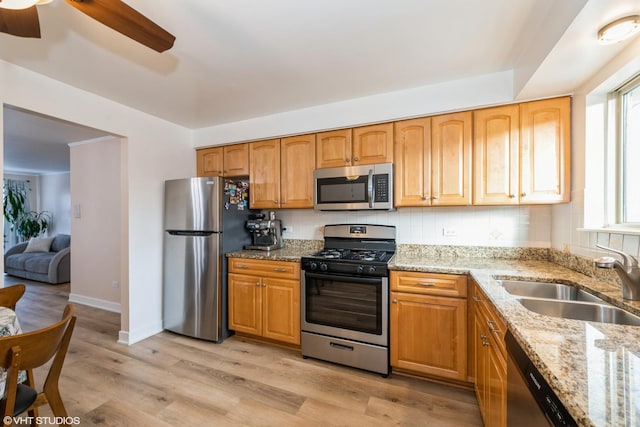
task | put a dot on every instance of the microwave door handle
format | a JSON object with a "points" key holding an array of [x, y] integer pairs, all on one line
{"points": [[370, 188]]}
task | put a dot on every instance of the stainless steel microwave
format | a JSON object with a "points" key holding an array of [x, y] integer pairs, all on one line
{"points": [[354, 188]]}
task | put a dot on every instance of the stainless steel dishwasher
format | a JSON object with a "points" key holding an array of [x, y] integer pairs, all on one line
{"points": [[530, 400]]}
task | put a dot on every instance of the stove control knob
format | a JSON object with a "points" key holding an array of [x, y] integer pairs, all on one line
{"points": [[360, 269], [323, 266], [372, 269], [313, 265]]}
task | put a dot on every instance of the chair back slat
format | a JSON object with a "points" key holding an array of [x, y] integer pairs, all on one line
{"points": [[10, 295], [38, 347]]}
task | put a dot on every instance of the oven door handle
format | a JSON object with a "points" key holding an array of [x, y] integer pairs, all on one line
{"points": [[355, 279]]}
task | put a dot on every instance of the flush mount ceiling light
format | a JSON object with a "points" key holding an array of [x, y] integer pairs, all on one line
{"points": [[619, 30], [21, 4]]}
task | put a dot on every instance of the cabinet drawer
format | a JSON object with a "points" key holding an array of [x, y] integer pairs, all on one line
{"points": [[488, 317], [258, 267], [450, 285]]}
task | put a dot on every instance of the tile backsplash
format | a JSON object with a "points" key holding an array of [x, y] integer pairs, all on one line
{"points": [[510, 226]]}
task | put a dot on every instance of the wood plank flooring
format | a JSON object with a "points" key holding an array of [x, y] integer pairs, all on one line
{"points": [[171, 380]]}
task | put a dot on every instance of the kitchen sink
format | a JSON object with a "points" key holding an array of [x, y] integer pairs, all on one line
{"points": [[555, 291], [587, 311], [566, 302]]}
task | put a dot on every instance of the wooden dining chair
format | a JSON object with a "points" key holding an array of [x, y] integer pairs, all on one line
{"points": [[28, 351], [10, 295]]}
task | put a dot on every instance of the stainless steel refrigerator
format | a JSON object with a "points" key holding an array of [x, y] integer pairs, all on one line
{"points": [[204, 218]]}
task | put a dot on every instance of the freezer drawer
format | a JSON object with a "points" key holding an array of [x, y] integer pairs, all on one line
{"points": [[193, 285]]}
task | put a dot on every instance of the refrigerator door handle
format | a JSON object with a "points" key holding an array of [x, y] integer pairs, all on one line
{"points": [[190, 233]]}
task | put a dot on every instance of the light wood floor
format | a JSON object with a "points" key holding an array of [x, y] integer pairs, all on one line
{"points": [[170, 380]]}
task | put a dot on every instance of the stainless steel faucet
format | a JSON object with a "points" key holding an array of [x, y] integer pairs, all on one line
{"points": [[628, 271]]}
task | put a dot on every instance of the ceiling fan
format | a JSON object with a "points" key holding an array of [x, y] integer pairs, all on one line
{"points": [[20, 18]]}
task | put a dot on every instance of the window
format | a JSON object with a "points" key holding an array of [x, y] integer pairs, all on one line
{"points": [[628, 203]]}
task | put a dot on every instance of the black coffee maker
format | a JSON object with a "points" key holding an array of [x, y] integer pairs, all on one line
{"points": [[266, 232]]}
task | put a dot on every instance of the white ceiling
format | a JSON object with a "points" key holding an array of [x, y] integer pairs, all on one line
{"points": [[234, 60]]}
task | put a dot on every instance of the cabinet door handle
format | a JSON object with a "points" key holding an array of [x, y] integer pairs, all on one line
{"points": [[523, 194], [257, 283], [435, 197], [280, 270], [426, 197], [490, 324], [512, 196], [264, 285], [356, 159], [476, 299], [426, 284], [395, 301]]}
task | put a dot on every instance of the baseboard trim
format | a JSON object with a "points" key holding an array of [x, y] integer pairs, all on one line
{"points": [[95, 302]]}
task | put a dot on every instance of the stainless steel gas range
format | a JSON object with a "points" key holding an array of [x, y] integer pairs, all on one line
{"points": [[345, 297]]}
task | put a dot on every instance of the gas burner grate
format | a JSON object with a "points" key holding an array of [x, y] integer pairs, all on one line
{"points": [[333, 253]]}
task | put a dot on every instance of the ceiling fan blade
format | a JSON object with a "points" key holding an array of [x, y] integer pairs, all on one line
{"points": [[22, 23], [126, 20]]}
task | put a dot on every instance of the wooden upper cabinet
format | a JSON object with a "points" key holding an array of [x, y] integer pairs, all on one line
{"points": [[412, 162], [372, 144], [333, 148], [209, 161], [365, 145], [236, 160], [297, 161], [545, 140], [496, 155], [228, 160], [264, 167], [451, 137]]}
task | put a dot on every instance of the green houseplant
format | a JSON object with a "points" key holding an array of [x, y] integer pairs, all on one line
{"points": [[27, 224]]}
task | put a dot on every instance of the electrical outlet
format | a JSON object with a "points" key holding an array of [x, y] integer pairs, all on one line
{"points": [[449, 232], [114, 284], [288, 229]]}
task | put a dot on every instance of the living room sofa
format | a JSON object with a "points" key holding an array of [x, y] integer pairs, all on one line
{"points": [[52, 266]]}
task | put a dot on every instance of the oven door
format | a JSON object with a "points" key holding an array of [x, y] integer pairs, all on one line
{"points": [[348, 307]]}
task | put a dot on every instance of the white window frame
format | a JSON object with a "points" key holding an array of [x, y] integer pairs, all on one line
{"points": [[617, 175]]}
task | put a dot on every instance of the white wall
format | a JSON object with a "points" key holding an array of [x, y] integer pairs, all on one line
{"points": [[96, 223], [455, 95], [55, 197], [156, 150], [511, 226], [579, 225]]}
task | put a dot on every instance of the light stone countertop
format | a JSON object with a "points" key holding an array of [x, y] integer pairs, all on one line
{"points": [[593, 367]]}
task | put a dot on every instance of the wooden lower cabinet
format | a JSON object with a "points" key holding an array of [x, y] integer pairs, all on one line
{"points": [[428, 328], [490, 361], [264, 299]]}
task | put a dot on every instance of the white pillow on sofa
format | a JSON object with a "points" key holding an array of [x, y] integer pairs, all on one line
{"points": [[39, 244]]}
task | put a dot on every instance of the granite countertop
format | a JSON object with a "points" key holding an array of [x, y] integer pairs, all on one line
{"points": [[593, 367]]}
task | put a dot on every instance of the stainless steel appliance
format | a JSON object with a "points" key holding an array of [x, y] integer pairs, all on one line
{"points": [[266, 233], [203, 219], [530, 400], [345, 297], [354, 187]]}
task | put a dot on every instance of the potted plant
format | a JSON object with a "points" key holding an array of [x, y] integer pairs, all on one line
{"points": [[27, 224]]}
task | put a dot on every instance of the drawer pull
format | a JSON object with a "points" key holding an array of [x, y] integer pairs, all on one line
{"points": [[490, 324], [280, 270], [241, 267], [341, 346], [426, 284]]}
